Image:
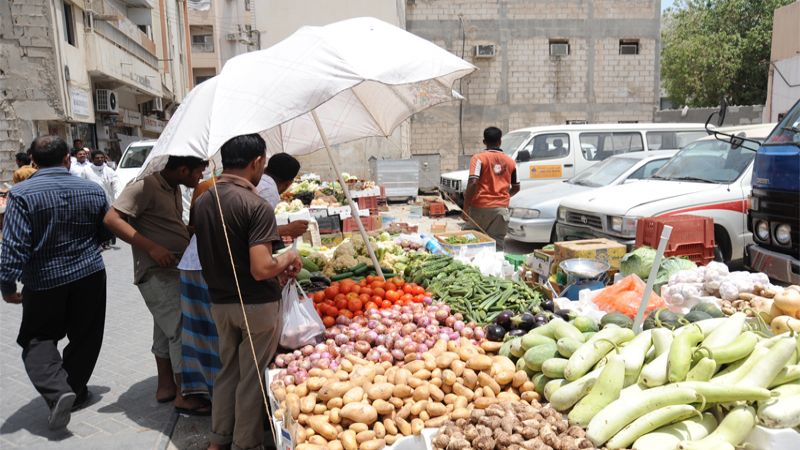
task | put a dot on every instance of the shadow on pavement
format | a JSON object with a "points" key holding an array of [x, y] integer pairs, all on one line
{"points": [[32, 417], [139, 405]]}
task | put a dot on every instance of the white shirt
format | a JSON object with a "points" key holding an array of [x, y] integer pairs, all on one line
{"points": [[268, 190], [76, 168], [190, 259], [103, 176]]}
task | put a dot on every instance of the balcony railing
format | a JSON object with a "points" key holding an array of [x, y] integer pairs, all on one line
{"points": [[205, 47], [113, 25]]}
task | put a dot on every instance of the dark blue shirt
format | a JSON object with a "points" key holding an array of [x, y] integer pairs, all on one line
{"points": [[53, 228]]}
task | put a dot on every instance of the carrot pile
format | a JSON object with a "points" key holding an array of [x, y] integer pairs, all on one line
{"points": [[625, 297]]}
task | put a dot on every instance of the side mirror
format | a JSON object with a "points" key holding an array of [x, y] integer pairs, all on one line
{"points": [[723, 111], [523, 156]]}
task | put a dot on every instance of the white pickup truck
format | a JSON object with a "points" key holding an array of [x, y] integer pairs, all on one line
{"points": [[708, 178], [548, 154]]}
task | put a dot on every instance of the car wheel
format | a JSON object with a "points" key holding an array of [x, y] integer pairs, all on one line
{"points": [[718, 254]]}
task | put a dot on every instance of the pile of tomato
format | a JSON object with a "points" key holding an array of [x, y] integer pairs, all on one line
{"points": [[351, 298]]}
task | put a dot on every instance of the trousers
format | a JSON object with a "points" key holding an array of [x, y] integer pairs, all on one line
{"points": [[237, 412], [494, 221], [161, 290], [76, 311]]}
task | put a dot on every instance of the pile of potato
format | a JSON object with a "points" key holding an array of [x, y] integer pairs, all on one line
{"points": [[366, 406], [750, 303], [512, 426]]}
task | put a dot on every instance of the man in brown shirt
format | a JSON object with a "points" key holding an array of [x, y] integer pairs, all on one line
{"points": [[149, 215], [252, 278]]}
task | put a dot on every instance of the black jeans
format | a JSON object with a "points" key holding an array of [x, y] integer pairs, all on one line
{"points": [[77, 311]]}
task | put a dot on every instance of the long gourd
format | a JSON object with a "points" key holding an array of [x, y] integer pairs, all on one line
{"points": [[782, 411], [732, 431], [621, 412], [738, 349], [670, 436], [588, 354], [634, 353], [770, 365], [649, 422], [680, 352], [727, 331], [570, 393], [605, 390], [722, 393]]}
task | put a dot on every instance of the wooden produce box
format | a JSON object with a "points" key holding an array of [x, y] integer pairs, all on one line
{"points": [[602, 249], [482, 242]]}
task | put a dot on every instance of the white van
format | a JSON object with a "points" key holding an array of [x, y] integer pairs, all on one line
{"points": [[548, 154]]}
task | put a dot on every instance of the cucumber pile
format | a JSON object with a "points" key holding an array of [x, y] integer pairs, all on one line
{"points": [[658, 390]]}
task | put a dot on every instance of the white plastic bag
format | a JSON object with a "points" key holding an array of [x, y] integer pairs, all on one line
{"points": [[301, 323]]}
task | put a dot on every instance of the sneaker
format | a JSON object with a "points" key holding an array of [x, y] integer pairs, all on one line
{"points": [[60, 412]]}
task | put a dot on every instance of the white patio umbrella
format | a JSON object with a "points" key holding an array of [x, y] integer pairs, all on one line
{"points": [[320, 87]]}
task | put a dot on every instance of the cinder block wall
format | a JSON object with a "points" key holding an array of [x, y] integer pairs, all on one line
{"points": [[523, 85]]}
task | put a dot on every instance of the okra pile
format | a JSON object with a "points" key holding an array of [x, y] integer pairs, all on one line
{"points": [[704, 385], [479, 298]]}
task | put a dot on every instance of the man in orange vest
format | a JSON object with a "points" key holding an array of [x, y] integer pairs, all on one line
{"points": [[492, 182]]}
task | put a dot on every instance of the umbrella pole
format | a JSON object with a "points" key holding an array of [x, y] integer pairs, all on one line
{"points": [[353, 207]]}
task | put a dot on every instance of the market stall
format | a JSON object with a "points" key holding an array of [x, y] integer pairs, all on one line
{"points": [[455, 351]]}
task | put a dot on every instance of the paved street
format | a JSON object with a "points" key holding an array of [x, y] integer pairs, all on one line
{"points": [[125, 414]]}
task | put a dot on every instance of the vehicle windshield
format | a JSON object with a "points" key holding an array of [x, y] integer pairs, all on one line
{"points": [[135, 156], [709, 161], [602, 174], [788, 131], [512, 141]]}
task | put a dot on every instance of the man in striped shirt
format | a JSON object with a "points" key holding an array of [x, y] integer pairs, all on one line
{"points": [[51, 242]]}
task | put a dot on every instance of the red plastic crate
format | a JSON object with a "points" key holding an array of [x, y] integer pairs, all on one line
{"points": [[349, 225], [370, 203], [692, 236]]}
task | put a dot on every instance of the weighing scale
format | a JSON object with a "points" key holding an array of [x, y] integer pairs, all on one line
{"points": [[582, 274]]}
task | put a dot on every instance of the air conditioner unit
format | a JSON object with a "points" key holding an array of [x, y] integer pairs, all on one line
{"points": [[106, 101], [559, 49], [232, 37], [157, 104], [485, 51]]}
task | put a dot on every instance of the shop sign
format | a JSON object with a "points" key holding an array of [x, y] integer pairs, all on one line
{"points": [[132, 118], [80, 101], [153, 125]]}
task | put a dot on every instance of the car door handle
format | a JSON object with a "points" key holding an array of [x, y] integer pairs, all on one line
{"points": [[568, 165]]}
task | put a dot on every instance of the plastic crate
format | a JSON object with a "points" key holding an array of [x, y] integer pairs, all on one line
{"points": [[349, 225], [436, 209], [370, 203], [692, 236]]}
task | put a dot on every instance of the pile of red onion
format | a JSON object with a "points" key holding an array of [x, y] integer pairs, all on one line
{"points": [[379, 335]]}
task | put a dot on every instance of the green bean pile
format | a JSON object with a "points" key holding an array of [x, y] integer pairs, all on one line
{"points": [[479, 298]]}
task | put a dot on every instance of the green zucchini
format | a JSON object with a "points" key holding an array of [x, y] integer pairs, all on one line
{"points": [[342, 276]]}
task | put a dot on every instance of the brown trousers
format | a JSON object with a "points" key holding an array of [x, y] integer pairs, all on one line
{"points": [[237, 411]]}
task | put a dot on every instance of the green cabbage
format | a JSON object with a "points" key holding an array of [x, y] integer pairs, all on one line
{"points": [[639, 261]]}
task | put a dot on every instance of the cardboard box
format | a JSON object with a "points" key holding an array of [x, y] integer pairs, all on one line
{"points": [[482, 243], [604, 250], [439, 227]]}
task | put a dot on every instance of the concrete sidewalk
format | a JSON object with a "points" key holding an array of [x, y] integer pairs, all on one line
{"points": [[124, 413]]}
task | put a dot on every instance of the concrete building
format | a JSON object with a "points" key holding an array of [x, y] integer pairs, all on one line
{"points": [[541, 62], [783, 85], [219, 30], [105, 71]]}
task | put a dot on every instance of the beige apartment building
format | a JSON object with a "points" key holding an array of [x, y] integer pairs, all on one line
{"points": [[106, 71], [218, 31], [783, 85]]}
